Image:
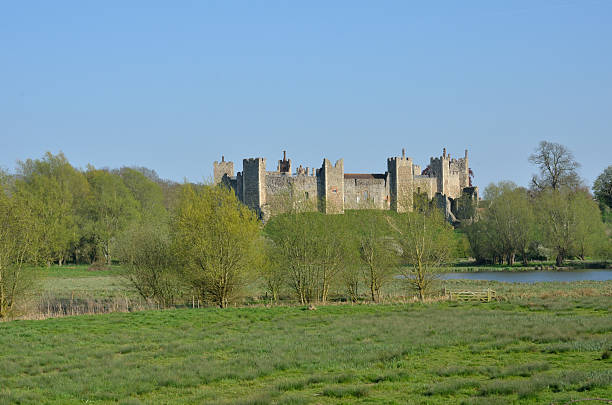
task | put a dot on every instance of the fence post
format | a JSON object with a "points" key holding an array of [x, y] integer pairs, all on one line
{"points": [[488, 295]]}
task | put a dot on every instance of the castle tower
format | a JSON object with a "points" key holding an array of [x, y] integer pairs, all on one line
{"points": [[284, 166], [401, 183], [254, 183], [440, 169], [221, 169], [332, 184], [464, 178]]}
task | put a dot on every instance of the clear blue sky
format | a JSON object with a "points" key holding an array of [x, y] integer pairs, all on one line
{"points": [[174, 85]]}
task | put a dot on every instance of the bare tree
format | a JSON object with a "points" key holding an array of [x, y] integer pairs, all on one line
{"points": [[557, 167], [426, 240]]}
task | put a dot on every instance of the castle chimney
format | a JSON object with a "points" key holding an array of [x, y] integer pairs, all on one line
{"points": [[466, 153], [403, 153], [444, 152], [222, 158], [284, 155]]}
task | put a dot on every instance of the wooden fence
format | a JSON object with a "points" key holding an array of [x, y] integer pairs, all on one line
{"points": [[481, 296]]}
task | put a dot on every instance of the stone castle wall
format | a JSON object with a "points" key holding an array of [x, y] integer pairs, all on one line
{"points": [[253, 183], [401, 183], [366, 191], [331, 191], [221, 169], [333, 183]]}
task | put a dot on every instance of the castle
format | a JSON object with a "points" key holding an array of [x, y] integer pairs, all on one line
{"points": [[330, 190]]}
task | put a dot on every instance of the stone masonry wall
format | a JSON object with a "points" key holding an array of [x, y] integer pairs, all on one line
{"points": [[425, 184], [366, 193], [222, 168], [253, 183], [401, 183], [283, 189], [333, 182]]}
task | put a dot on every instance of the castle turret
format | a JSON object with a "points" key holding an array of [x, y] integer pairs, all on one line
{"points": [[401, 183], [254, 183], [221, 169], [332, 184]]}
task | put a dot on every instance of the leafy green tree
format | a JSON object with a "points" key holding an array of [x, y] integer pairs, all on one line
{"points": [[148, 193], [426, 241], [19, 245], [557, 167], [510, 215], [53, 190], [111, 207], [484, 243], [217, 241], [146, 254], [602, 188], [590, 233], [495, 190], [570, 222]]}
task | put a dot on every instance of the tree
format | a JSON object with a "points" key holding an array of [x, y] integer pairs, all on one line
{"points": [[217, 241], [426, 241], [272, 271], [312, 248], [590, 233], [148, 193], [570, 223], [295, 251], [53, 190], [557, 167], [602, 188], [378, 252], [332, 250], [145, 252], [510, 217], [19, 242], [111, 208]]}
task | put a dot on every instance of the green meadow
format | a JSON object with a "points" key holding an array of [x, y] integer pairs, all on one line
{"points": [[535, 348]]}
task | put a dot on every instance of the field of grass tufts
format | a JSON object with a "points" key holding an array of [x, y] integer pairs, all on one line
{"points": [[441, 353]]}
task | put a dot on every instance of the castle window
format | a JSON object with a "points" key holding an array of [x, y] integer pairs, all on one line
{"points": [[306, 195], [365, 195]]}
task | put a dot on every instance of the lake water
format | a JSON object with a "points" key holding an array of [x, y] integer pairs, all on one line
{"points": [[533, 276]]}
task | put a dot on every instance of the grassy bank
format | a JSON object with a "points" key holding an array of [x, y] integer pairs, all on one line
{"points": [[467, 265], [503, 352]]}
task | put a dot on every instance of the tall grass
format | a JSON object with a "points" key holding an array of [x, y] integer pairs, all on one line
{"points": [[336, 353]]}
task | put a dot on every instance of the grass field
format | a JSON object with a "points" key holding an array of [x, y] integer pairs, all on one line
{"points": [[496, 353]]}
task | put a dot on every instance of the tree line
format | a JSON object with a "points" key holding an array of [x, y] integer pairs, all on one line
{"points": [[556, 218]]}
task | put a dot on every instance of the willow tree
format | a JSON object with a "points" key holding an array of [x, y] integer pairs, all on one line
{"points": [[426, 241], [217, 242], [19, 243], [378, 253], [145, 252]]}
